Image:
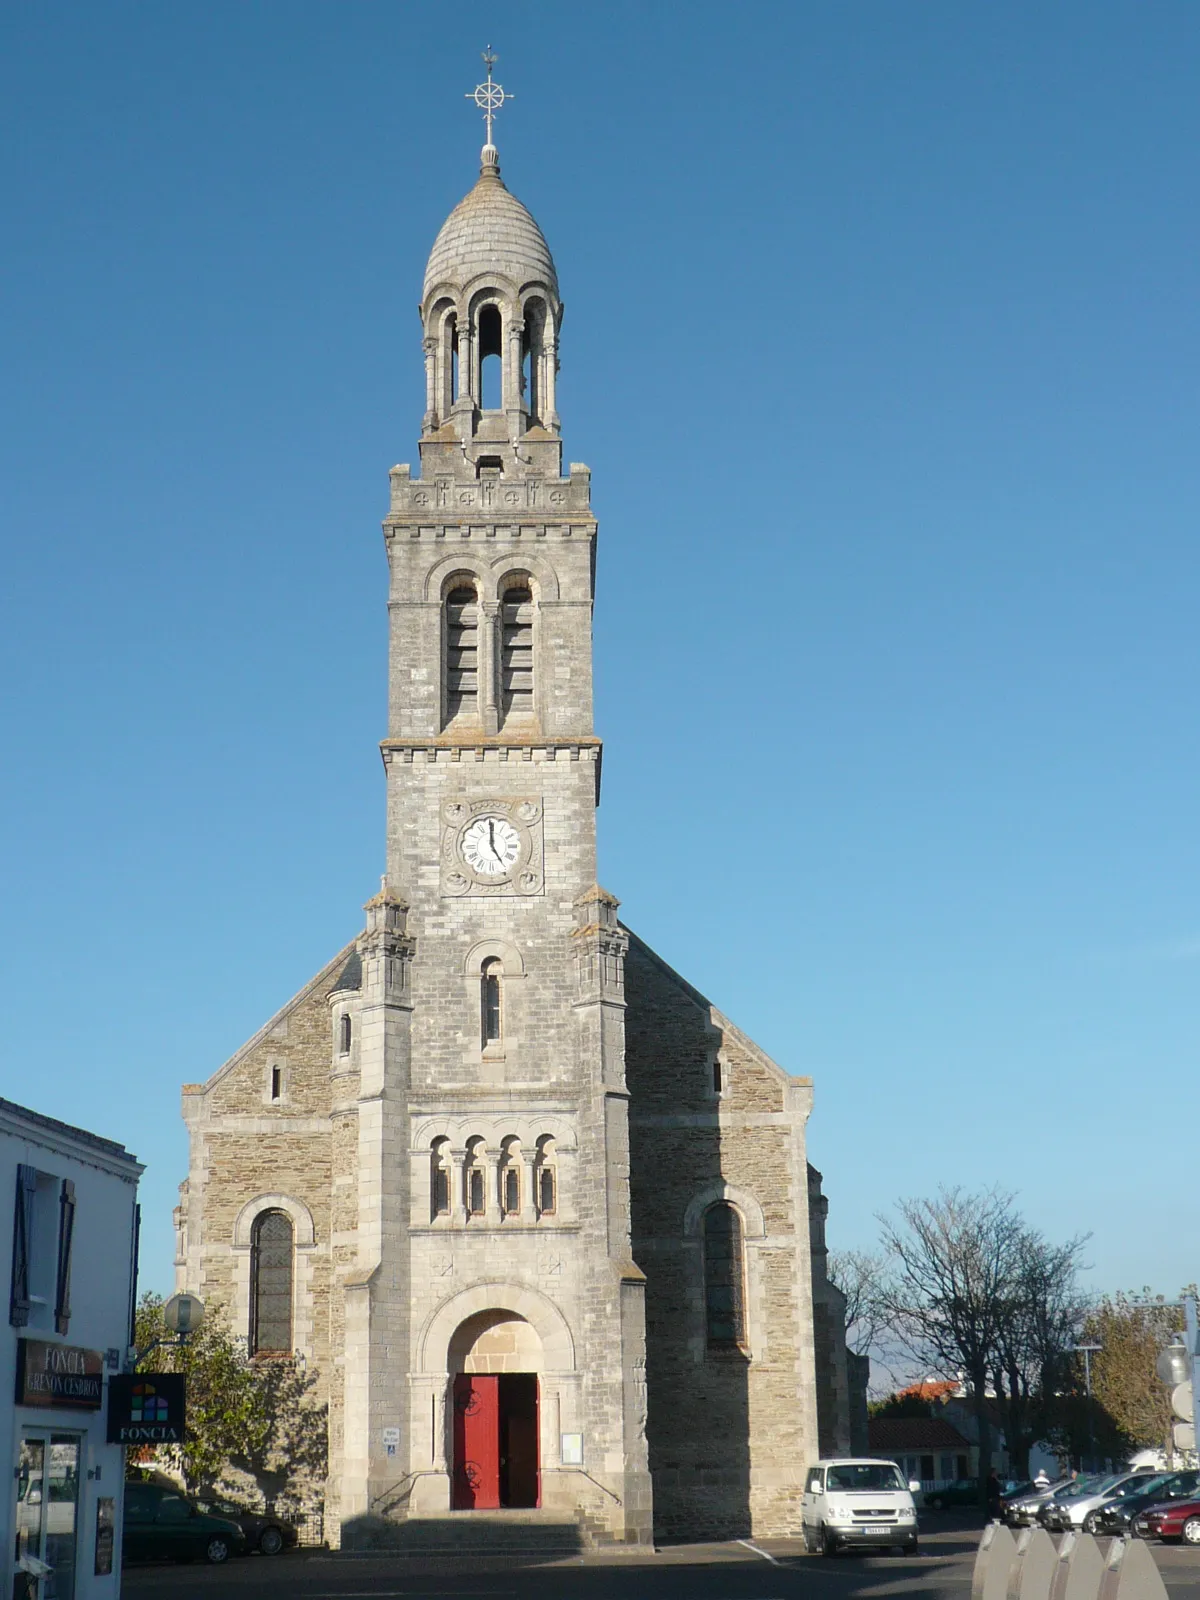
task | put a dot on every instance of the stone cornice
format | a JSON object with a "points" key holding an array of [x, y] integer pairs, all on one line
{"points": [[494, 748]]}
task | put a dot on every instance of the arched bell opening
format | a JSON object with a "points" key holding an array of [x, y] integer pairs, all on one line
{"points": [[533, 377], [491, 359], [495, 1360]]}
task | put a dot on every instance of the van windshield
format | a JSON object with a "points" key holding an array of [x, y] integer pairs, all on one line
{"points": [[867, 1475]]}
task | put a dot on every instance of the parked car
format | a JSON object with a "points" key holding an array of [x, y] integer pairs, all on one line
{"points": [[1118, 1516], [962, 1492], [163, 1524], [1077, 1507], [265, 1532], [1020, 1510], [1177, 1519], [857, 1501]]}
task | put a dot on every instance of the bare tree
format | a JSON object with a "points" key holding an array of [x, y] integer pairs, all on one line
{"points": [[860, 1276], [1032, 1362], [956, 1270]]}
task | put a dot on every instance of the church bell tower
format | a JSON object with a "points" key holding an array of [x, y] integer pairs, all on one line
{"points": [[494, 1353]]}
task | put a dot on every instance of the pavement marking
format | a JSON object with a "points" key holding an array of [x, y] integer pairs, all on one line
{"points": [[763, 1553]]}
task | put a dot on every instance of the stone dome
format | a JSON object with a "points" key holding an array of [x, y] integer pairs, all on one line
{"points": [[490, 231]]}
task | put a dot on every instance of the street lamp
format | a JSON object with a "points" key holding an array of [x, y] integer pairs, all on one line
{"points": [[1087, 1351], [182, 1315]]}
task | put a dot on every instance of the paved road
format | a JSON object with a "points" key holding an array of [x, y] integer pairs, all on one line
{"points": [[769, 1570]]}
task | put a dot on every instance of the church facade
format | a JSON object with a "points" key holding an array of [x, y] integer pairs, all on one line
{"points": [[537, 1216]]}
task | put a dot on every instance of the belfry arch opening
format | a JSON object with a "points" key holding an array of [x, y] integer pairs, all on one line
{"points": [[491, 359], [495, 1366]]}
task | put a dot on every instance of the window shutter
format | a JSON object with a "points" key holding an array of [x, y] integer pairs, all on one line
{"points": [[66, 1230], [18, 1304]]}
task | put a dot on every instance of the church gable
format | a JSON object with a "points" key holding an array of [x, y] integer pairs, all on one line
{"points": [[285, 1065], [684, 1052]]}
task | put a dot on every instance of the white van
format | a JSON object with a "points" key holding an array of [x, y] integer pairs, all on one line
{"points": [[858, 1501]]}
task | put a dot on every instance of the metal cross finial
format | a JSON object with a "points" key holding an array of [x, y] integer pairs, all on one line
{"points": [[489, 96]]}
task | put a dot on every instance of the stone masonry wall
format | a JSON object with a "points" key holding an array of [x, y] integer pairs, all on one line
{"points": [[729, 1434], [248, 1150]]}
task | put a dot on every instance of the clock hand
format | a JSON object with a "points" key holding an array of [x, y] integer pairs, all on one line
{"points": [[492, 840]]}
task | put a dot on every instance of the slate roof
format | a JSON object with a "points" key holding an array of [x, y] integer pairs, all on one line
{"points": [[350, 977], [490, 231], [893, 1434]]}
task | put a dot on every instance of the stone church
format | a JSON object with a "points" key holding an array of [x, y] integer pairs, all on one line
{"points": [[535, 1213]]}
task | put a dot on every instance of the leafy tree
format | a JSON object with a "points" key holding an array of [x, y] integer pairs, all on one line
{"points": [[255, 1416], [1131, 1330]]}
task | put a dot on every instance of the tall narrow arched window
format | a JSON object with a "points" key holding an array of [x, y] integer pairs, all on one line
{"points": [[345, 1033], [491, 1017], [462, 653], [724, 1278], [531, 352], [491, 359], [516, 653], [439, 1178], [475, 1179], [271, 1248], [546, 1177], [510, 1177]]}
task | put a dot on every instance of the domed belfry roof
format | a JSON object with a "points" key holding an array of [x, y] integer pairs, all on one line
{"points": [[490, 232]]}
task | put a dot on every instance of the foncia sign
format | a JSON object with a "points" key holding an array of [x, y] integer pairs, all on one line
{"points": [[147, 1408]]}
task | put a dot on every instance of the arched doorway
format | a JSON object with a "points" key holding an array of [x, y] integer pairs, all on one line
{"points": [[495, 1360]]}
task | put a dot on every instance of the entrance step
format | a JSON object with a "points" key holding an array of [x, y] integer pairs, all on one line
{"points": [[531, 1533]]}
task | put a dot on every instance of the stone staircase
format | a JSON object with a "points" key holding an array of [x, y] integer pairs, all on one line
{"points": [[522, 1535]]}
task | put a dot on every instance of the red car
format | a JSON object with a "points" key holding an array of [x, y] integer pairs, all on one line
{"points": [[1174, 1519]]}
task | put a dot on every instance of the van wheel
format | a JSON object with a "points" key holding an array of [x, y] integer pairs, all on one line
{"points": [[829, 1546], [910, 1549]]}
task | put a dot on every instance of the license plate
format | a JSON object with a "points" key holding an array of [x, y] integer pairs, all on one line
{"points": [[875, 1528]]}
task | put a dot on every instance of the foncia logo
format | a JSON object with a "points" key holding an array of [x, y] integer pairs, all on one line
{"points": [[147, 1405]]}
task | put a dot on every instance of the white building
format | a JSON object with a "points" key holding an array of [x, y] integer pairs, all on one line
{"points": [[71, 1241]]}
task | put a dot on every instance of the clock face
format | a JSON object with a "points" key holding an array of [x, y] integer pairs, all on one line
{"points": [[490, 846]]}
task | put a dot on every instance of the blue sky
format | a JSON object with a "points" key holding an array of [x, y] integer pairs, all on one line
{"points": [[882, 343]]}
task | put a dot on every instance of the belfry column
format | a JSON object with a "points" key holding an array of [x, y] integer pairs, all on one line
{"points": [[515, 404], [489, 664], [430, 347], [376, 1291], [550, 358]]}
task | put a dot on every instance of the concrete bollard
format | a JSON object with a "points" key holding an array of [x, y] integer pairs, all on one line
{"points": [[1130, 1573], [1032, 1570], [996, 1553], [1079, 1568]]}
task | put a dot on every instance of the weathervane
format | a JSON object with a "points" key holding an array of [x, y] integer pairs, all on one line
{"points": [[489, 96]]}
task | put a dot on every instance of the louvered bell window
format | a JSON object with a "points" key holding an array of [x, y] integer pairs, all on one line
{"points": [[516, 654], [271, 1285], [462, 654]]}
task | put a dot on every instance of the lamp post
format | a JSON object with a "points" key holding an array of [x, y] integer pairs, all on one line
{"points": [[182, 1315], [1087, 1351]]}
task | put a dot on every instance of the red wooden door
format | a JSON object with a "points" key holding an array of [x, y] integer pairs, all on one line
{"points": [[476, 1442]]}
